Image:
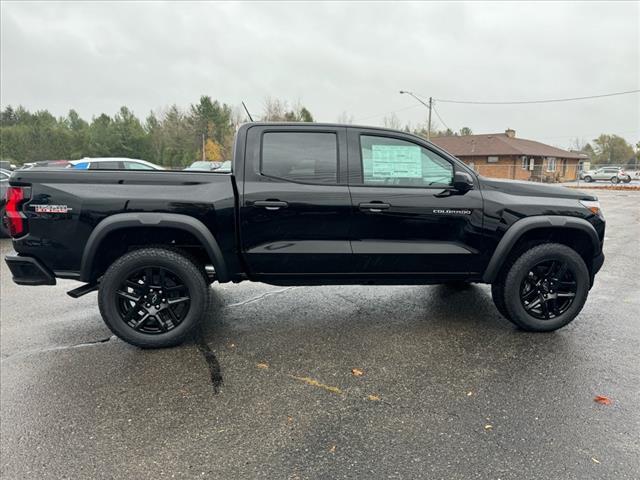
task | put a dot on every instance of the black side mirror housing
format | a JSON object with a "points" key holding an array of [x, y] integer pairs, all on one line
{"points": [[462, 181]]}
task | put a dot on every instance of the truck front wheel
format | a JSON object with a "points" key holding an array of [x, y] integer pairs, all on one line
{"points": [[153, 297], [546, 287]]}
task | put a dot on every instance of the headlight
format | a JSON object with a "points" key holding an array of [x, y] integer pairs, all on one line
{"points": [[593, 206]]}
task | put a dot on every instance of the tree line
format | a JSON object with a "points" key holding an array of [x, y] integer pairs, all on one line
{"points": [[175, 137], [610, 150]]}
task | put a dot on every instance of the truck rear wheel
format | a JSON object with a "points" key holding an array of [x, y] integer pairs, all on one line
{"points": [[546, 287], [153, 297]]}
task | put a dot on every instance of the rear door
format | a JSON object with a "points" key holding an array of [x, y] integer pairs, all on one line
{"points": [[407, 219], [295, 206]]}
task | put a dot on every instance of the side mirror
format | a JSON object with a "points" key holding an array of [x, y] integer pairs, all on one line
{"points": [[462, 181]]}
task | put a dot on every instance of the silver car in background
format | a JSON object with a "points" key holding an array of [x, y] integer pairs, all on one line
{"points": [[611, 174]]}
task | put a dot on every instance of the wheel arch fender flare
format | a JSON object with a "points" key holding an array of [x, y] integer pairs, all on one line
{"points": [[156, 220], [519, 228]]}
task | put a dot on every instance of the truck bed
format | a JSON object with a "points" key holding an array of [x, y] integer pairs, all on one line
{"points": [[83, 198]]}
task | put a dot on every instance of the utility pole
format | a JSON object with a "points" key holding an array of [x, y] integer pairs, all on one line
{"points": [[429, 125], [429, 106]]}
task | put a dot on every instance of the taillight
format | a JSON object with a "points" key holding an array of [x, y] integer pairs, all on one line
{"points": [[15, 218]]}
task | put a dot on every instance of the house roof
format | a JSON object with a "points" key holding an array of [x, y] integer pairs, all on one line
{"points": [[499, 144]]}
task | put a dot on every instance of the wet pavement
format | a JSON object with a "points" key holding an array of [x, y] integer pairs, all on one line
{"points": [[449, 388]]}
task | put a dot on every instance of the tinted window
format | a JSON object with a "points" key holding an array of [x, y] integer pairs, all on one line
{"points": [[300, 156], [389, 161]]}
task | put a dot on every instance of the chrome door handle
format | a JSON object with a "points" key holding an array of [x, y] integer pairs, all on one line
{"points": [[375, 207], [270, 204]]}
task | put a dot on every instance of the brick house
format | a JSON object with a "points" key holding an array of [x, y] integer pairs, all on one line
{"points": [[503, 155]]}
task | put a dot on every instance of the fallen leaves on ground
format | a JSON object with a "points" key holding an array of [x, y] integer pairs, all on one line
{"points": [[315, 383], [332, 449], [373, 398], [469, 394], [356, 372], [602, 400], [263, 366], [488, 426]]}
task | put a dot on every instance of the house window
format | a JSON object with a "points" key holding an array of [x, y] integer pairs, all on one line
{"points": [[525, 163], [492, 159], [551, 164]]}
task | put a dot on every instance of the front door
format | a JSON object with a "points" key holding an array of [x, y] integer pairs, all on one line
{"points": [[295, 205], [407, 218]]}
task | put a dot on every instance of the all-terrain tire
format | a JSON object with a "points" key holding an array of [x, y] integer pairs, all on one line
{"points": [[521, 268], [182, 267]]}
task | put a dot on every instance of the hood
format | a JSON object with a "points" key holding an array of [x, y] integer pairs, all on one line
{"points": [[533, 189]]}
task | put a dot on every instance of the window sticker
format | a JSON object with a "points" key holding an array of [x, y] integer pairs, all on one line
{"points": [[396, 161]]}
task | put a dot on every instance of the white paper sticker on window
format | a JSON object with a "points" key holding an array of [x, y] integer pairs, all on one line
{"points": [[395, 161]]}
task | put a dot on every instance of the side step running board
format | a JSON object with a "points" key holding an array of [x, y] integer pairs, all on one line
{"points": [[82, 290]]}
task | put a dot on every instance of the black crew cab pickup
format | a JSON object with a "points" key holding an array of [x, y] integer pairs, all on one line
{"points": [[304, 204]]}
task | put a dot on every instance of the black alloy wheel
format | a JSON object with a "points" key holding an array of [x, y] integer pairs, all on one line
{"points": [[153, 300], [153, 297], [548, 290]]}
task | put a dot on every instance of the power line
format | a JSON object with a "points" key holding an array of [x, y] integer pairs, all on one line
{"points": [[440, 118], [525, 102]]}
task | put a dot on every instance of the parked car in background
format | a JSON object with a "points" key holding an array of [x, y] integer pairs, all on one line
{"points": [[612, 174], [113, 163], [205, 166], [45, 164], [4, 184], [225, 167], [7, 165]]}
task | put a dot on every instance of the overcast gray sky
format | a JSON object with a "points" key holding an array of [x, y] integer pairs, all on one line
{"points": [[334, 58]]}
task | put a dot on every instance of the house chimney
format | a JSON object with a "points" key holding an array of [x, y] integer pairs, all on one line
{"points": [[510, 133]]}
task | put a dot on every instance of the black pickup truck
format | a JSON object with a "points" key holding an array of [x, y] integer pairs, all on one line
{"points": [[304, 204]]}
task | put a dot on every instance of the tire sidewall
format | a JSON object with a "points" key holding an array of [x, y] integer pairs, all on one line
{"points": [[521, 268], [588, 179], [125, 266], [4, 231]]}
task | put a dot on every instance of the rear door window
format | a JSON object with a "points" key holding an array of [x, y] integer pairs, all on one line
{"points": [[305, 157]]}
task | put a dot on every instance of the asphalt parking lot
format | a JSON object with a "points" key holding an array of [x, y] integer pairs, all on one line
{"points": [[449, 389]]}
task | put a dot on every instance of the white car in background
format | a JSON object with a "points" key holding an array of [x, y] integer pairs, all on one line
{"points": [[610, 173], [113, 163]]}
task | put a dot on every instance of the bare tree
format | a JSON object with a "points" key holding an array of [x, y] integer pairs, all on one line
{"points": [[392, 121], [345, 118]]}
